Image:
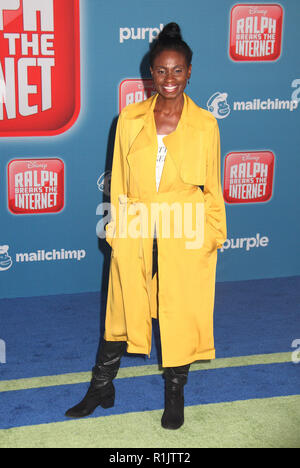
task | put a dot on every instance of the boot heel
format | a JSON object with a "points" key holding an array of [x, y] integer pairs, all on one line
{"points": [[107, 402]]}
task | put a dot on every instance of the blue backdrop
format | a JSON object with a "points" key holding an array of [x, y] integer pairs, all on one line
{"points": [[254, 95]]}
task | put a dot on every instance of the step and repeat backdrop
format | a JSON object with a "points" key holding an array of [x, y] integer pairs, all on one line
{"points": [[68, 67]]}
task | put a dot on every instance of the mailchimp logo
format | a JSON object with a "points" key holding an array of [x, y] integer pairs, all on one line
{"points": [[256, 32], [39, 66], [5, 260], [218, 105], [135, 90]]}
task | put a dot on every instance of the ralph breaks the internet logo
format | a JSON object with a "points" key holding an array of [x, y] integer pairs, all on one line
{"points": [[36, 186], [248, 176], [135, 90], [39, 67], [256, 32]]}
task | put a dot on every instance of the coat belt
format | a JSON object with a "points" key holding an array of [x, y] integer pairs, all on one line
{"points": [[159, 196], [125, 200]]}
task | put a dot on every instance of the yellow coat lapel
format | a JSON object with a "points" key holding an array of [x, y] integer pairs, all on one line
{"points": [[141, 154], [186, 146]]}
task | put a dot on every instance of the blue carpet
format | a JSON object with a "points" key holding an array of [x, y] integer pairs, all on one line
{"points": [[43, 405], [59, 334]]}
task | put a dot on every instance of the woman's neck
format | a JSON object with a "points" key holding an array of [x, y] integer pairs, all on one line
{"points": [[169, 106]]}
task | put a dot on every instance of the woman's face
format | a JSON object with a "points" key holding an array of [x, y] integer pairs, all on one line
{"points": [[170, 74]]}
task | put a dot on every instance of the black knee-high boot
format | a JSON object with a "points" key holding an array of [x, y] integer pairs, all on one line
{"points": [[101, 391], [175, 380]]}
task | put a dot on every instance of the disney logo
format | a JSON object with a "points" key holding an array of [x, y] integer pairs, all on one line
{"points": [[248, 157], [32, 164], [255, 11]]}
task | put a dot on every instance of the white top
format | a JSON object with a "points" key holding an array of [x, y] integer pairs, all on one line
{"points": [[160, 160]]}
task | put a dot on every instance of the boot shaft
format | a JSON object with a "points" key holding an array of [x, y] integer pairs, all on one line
{"points": [[108, 362], [177, 375], [175, 380]]}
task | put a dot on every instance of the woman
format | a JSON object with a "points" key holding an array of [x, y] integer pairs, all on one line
{"points": [[166, 168]]}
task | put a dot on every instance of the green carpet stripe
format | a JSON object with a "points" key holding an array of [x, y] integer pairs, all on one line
{"points": [[139, 371], [259, 423]]}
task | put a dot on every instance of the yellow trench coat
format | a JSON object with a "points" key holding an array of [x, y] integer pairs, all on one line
{"points": [[182, 295]]}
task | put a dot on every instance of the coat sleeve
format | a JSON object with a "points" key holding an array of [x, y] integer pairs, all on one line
{"points": [[213, 196], [118, 182]]}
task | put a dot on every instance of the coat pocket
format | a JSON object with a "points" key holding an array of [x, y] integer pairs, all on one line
{"points": [[210, 238]]}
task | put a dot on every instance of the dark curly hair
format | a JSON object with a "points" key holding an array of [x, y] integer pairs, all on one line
{"points": [[170, 39]]}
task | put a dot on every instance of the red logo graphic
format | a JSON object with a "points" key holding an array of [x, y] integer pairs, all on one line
{"points": [[35, 186], [256, 32], [131, 91], [248, 177], [39, 67]]}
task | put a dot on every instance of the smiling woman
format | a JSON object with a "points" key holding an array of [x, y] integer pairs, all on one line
{"points": [[167, 154], [170, 74], [170, 66]]}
